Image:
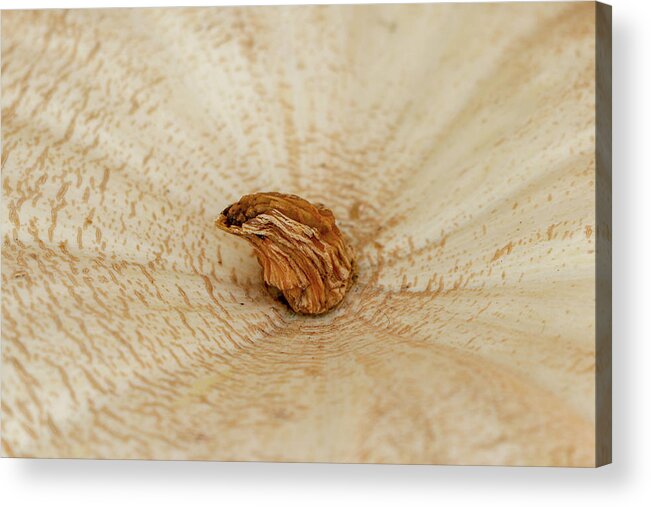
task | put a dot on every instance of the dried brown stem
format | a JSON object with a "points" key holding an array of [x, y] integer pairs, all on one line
{"points": [[300, 248]]}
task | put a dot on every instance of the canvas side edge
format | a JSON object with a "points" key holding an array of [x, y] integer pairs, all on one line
{"points": [[603, 223]]}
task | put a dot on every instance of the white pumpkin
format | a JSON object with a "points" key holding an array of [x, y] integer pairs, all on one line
{"points": [[455, 145]]}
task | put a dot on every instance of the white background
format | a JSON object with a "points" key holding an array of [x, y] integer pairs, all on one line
{"points": [[626, 482]]}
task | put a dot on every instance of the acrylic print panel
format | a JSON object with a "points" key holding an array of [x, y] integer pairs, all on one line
{"points": [[455, 145]]}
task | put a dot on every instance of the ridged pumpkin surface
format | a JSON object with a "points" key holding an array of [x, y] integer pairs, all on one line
{"points": [[454, 145]]}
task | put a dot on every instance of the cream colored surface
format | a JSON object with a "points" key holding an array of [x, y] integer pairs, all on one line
{"points": [[455, 145]]}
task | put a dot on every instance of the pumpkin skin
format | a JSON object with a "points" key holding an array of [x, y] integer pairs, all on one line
{"points": [[455, 146]]}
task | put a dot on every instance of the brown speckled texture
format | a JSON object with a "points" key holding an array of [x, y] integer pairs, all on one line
{"points": [[455, 145]]}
